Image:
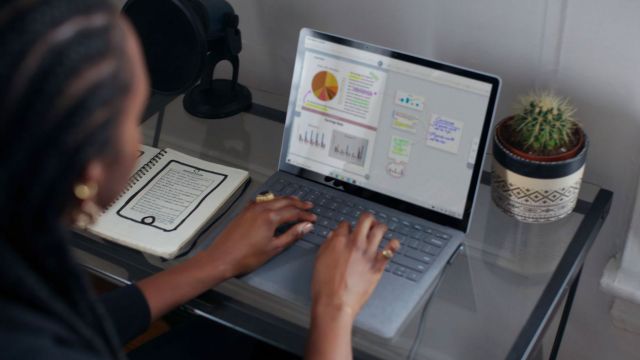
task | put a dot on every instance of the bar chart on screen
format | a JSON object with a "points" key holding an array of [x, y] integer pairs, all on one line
{"points": [[348, 148], [312, 137]]}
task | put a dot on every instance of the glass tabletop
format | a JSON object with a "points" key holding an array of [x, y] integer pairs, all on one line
{"points": [[485, 298]]}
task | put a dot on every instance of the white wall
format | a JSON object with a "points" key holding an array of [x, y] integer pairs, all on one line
{"points": [[588, 50]]}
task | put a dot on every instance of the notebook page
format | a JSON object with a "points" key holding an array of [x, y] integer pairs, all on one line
{"points": [[169, 204], [171, 195]]}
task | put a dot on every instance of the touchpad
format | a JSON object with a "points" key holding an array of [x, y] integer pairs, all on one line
{"points": [[287, 275]]}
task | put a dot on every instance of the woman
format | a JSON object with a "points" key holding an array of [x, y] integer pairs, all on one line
{"points": [[72, 89]]}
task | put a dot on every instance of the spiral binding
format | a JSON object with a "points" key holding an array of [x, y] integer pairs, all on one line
{"points": [[138, 175]]}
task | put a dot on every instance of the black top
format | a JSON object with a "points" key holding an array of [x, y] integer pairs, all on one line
{"points": [[25, 333], [128, 310], [48, 311]]}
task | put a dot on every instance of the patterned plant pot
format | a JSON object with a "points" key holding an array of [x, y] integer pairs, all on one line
{"points": [[536, 191]]}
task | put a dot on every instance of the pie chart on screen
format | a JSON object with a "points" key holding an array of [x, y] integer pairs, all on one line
{"points": [[324, 85]]}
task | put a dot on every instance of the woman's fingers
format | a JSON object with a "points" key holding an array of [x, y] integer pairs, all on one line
{"points": [[280, 202], [382, 259], [291, 235], [290, 214], [340, 233], [375, 237], [362, 229]]}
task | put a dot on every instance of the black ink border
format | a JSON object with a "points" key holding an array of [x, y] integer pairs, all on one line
{"points": [[224, 177]]}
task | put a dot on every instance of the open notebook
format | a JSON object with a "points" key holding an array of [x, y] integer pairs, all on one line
{"points": [[169, 199]]}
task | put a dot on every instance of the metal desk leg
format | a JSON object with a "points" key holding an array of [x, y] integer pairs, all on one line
{"points": [[565, 316], [158, 131]]}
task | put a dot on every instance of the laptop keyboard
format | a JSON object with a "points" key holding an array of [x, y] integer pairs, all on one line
{"points": [[420, 245]]}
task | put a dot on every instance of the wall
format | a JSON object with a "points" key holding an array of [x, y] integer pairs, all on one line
{"points": [[587, 50]]}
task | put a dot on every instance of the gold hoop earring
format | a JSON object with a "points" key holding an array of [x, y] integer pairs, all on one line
{"points": [[88, 211], [85, 191]]}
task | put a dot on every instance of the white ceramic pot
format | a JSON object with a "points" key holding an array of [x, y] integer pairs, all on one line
{"points": [[535, 192]]}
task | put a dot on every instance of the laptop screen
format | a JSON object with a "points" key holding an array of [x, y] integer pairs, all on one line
{"points": [[393, 124]]}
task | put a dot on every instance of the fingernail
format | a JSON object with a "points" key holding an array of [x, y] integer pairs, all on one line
{"points": [[308, 203], [306, 227]]}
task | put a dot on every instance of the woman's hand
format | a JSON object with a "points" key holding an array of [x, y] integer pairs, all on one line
{"points": [[349, 266], [245, 244], [249, 240]]}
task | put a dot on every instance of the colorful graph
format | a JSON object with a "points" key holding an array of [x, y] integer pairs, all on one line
{"points": [[324, 85]]}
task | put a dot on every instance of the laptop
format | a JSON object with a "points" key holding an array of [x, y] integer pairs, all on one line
{"points": [[377, 130]]}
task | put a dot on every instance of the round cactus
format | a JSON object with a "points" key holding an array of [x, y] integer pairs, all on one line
{"points": [[543, 124]]}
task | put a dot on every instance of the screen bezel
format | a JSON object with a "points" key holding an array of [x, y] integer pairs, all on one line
{"points": [[386, 200]]}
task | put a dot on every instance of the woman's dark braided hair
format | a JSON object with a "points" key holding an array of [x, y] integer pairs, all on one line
{"points": [[63, 77]]}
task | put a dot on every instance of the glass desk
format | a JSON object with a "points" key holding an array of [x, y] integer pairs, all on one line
{"points": [[497, 299]]}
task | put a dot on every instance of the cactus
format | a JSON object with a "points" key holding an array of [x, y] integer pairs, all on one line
{"points": [[543, 124]]}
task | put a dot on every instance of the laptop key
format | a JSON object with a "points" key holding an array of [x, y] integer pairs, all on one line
{"points": [[430, 249], [390, 267], [409, 263], [322, 231], [400, 270], [332, 224], [314, 239], [435, 241], [289, 190], [419, 255], [412, 243], [412, 275], [278, 186], [404, 229], [323, 221], [354, 212]]}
